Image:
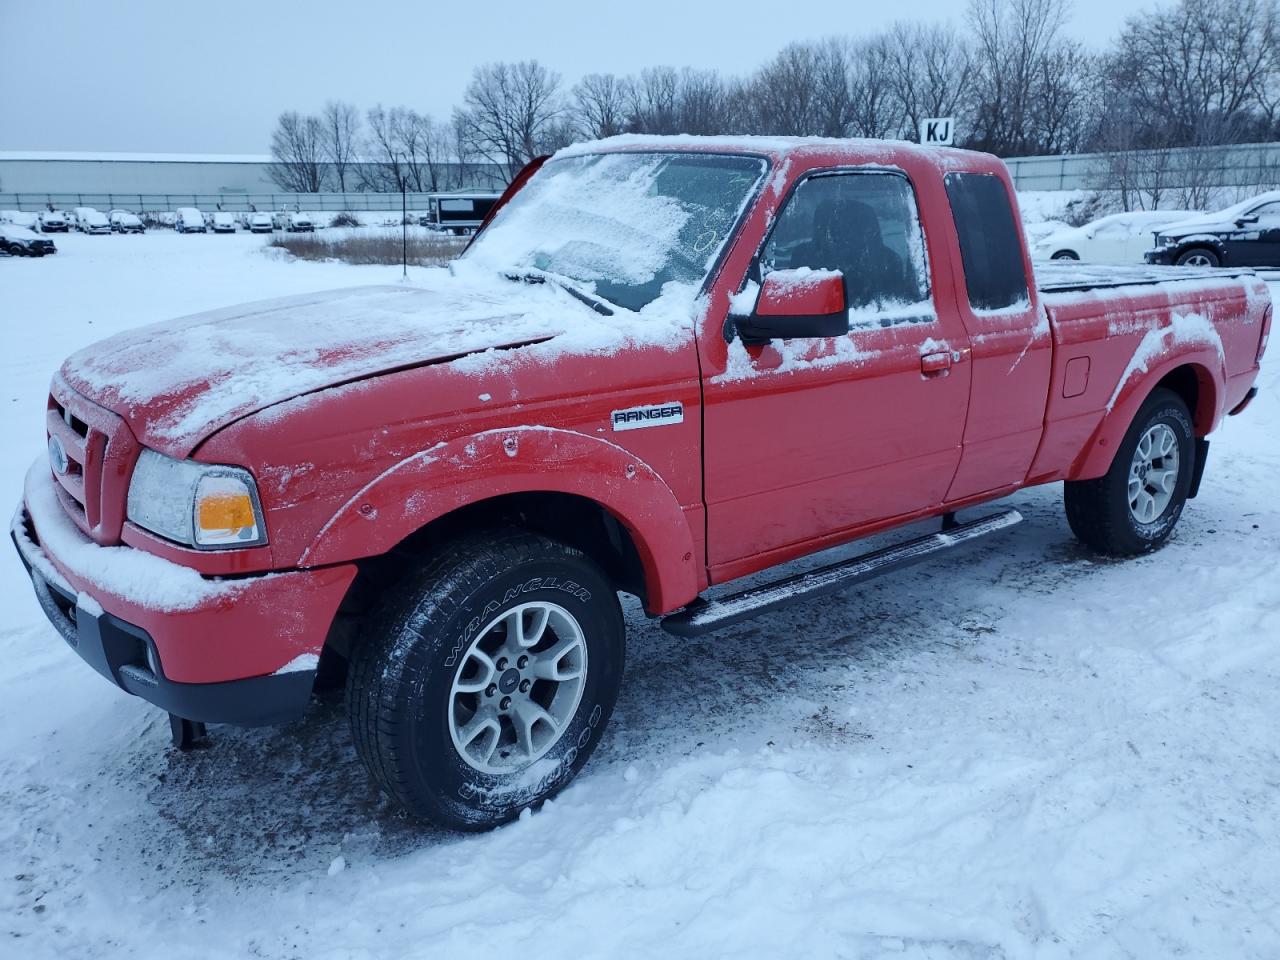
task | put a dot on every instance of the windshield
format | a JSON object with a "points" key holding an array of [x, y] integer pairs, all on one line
{"points": [[623, 225]]}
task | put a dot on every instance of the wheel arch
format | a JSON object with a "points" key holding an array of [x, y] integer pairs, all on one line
{"points": [[1189, 375], [584, 490], [1213, 244]]}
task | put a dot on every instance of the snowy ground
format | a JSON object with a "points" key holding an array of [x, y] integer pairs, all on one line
{"points": [[1025, 752]]}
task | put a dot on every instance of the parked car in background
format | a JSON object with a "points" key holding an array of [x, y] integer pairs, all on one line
{"points": [[189, 220], [222, 222], [20, 242], [53, 221], [20, 218], [301, 223], [1244, 235], [89, 220], [1118, 238], [124, 221], [260, 223]]}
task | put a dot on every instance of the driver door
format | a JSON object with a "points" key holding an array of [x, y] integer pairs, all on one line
{"points": [[811, 440], [1266, 249]]}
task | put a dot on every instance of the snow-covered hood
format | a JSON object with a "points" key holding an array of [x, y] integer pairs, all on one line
{"points": [[179, 381]]}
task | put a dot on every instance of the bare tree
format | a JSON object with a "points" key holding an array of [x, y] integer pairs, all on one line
{"points": [[652, 101], [872, 111], [384, 169], [508, 113], [784, 92], [931, 70], [407, 150], [1201, 70], [339, 138], [701, 106], [296, 153], [1024, 70], [599, 105]]}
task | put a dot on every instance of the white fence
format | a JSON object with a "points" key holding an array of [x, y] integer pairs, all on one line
{"points": [[1244, 165], [232, 202]]}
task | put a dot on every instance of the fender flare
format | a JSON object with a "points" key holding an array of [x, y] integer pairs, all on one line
{"points": [[466, 470], [1133, 391], [1214, 243]]}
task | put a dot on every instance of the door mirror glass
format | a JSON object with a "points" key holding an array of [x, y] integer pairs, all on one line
{"points": [[797, 303]]}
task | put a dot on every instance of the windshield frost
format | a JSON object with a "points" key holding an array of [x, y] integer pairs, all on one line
{"points": [[622, 224]]}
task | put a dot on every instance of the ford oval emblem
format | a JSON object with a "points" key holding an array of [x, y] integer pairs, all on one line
{"points": [[58, 456]]}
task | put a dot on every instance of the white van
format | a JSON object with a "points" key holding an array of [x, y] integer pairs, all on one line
{"points": [[189, 220], [89, 220]]}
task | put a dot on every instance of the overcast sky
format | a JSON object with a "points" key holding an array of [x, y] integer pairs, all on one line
{"points": [[210, 77]]}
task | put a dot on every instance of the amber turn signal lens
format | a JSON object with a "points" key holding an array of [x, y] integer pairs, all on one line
{"points": [[225, 511]]}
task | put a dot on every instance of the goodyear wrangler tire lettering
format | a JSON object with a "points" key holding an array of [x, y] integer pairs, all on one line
{"points": [[415, 685]]}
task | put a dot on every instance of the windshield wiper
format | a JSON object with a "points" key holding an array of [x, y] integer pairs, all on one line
{"points": [[598, 304]]}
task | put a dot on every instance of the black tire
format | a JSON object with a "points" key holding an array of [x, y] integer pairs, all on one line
{"points": [[1099, 511], [1065, 255], [402, 671], [1211, 258]]}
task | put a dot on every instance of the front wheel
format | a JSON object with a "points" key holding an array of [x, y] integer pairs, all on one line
{"points": [[485, 680], [1199, 257], [1066, 255], [1134, 507]]}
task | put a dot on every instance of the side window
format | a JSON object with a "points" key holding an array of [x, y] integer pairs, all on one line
{"points": [[862, 224], [1268, 213], [990, 246]]}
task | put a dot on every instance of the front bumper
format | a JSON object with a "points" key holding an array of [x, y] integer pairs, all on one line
{"points": [[1161, 255], [241, 651]]}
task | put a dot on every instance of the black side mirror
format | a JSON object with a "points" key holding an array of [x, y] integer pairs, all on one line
{"points": [[1247, 218], [796, 304]]}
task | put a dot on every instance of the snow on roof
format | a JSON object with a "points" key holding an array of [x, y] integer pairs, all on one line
{"points": [[1225, 215], [775, 146]]}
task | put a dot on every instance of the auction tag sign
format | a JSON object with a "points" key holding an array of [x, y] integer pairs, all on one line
{"points": [[937, 131]]}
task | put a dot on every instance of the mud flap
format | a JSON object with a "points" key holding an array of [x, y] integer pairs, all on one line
{"points": [[187, 734], [1197, 470]]}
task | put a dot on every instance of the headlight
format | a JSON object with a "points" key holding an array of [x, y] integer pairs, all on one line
{"points": [[197, 504]]}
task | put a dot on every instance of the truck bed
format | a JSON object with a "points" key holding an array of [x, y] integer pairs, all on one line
{"points": [[1071, 276]]}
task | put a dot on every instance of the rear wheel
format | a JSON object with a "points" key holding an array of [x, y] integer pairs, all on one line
{"points": [[1199, 257], [484, 683], [1134, 507]]}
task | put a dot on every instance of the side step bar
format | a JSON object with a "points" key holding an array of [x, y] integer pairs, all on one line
{"points": [[704, 616]]}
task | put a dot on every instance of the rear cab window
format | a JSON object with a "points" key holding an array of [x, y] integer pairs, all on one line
{"points": [[990, 245]]}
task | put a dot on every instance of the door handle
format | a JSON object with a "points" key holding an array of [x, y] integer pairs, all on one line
{"points": [[935, 364]]}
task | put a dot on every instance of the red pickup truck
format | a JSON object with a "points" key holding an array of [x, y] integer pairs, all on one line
{"points": [[663, 364]]}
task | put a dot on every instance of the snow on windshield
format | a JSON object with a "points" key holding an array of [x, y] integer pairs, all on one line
{"points": [[622, 224]]}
